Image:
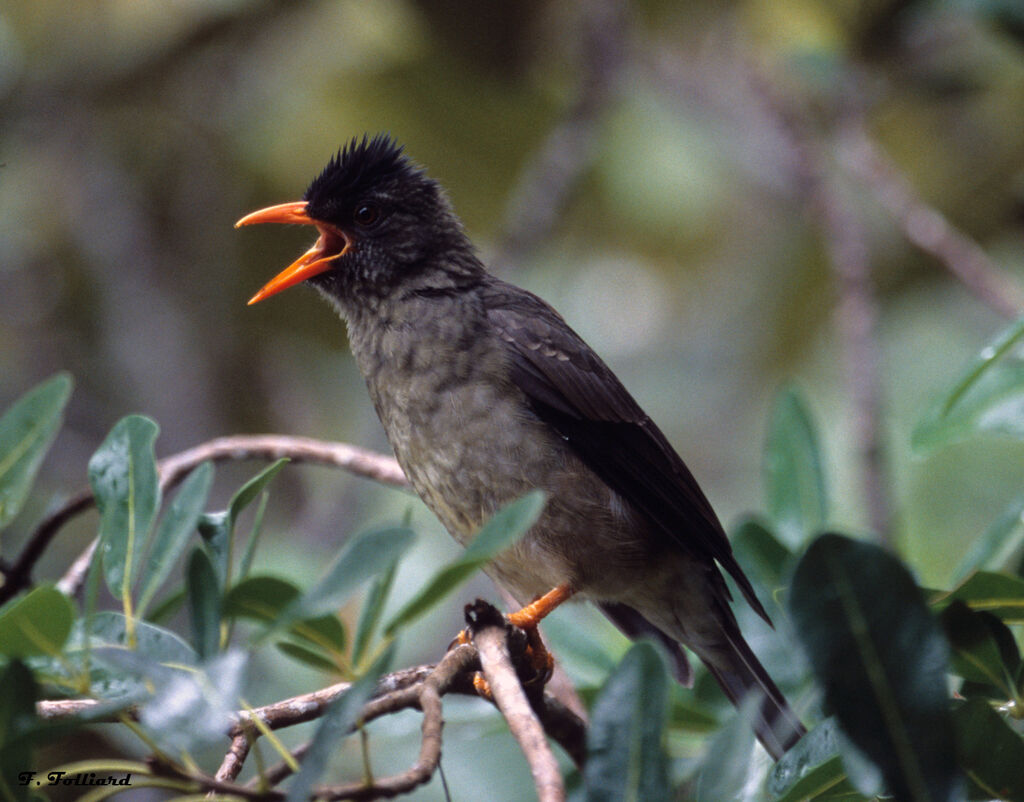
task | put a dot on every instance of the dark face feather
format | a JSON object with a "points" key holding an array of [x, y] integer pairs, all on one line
{"points": [[398, 218], [386, 230]]}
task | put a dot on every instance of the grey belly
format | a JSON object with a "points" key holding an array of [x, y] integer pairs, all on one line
{"points": [[470, 449]]}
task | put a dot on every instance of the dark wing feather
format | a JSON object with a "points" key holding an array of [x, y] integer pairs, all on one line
{"points": [[572, 390]]}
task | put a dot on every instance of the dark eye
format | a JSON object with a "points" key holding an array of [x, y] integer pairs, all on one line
{"points": [[366, 214]]}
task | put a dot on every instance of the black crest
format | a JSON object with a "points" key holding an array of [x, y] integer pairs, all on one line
{"points": [[361, 164]]}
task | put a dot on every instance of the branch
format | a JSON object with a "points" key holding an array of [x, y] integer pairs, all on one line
{"points": [[928, 228], [418, 687], [549, 176], [490, 636], [359, 461]]}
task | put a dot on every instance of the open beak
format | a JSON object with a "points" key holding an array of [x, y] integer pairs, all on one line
{"points": [[331, 244]]}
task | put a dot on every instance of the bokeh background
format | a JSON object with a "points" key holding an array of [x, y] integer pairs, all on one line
{"points": [[723, 198]]}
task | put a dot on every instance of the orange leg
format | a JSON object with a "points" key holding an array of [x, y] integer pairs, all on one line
{"points": [[527, 619], [531, 614], [530, 617]]}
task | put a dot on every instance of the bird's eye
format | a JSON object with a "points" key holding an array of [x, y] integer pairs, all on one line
{"points": [[367, 214]]}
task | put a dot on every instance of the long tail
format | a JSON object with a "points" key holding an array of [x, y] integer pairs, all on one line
{"points": [[740, 674], [733, 665]]}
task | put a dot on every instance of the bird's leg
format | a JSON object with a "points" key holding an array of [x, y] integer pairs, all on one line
{"points": [[528, 619], [531, 615]]}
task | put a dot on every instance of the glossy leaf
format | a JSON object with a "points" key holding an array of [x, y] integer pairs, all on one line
{"points": [[883, 673], [245, 565], [988, 397], [38, 623], [810, 768], [264, 598], [203, 593], [179, 522], [109, 629], [763, 558], [827, 781], [371, 611], [194, 708], [999, 542], [991, 752], [626, 757], [999, 594], [794, 480], [27, 430], [362, 558], [976, 654], [124, 480], [337, 722], [506, 527], [218, 528]]}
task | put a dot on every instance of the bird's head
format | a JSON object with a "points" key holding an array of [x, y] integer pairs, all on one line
{"points": [[383, 223]]}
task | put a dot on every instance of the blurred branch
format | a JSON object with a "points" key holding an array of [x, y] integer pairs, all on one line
{"points": [[850, 261], [174, 469], [927, 227], [548, 178]]}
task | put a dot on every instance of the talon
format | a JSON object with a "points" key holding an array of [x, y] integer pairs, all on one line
{"points": [[462, 639], [482, 687]]}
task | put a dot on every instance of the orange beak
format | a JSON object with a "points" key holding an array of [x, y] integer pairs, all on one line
{"points": [[331, 244]]}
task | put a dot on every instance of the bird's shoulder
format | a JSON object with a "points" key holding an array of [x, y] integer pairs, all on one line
{"points": [[551, 363]]}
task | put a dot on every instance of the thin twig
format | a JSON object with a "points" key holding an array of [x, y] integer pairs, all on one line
{"points": [[359, 461], [490, 636], [548, 178], [927, 227], [856, 310]]}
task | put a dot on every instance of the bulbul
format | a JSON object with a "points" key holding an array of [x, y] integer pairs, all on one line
{"points": [[486, 393]]}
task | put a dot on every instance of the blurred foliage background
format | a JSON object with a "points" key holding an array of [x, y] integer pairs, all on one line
{"points": [[684, 181]]}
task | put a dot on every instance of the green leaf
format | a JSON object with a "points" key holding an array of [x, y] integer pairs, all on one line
{"points": [[264, 598], [337, 722], [794, 480], [254, 537], [626, 758], [26, 431], [988, 396], [17, 721], [999, 594], [976, 655], [124, 480], [506, 527], [37, 623], [827, 781], [883, 672], [108, 629], [811, 768], [309, 657], [363, 557], [763, 558], [191, 709], [179, 522], [218, 528], [991, 753], [203, 595], [727, 771], [997, 545], [371, 611]]}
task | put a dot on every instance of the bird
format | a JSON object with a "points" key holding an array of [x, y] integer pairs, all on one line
{"points": [[485, 393]]}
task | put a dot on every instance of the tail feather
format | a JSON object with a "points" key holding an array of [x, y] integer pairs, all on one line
{"points": [[777, 725], [733, 664], [633, 625]]}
